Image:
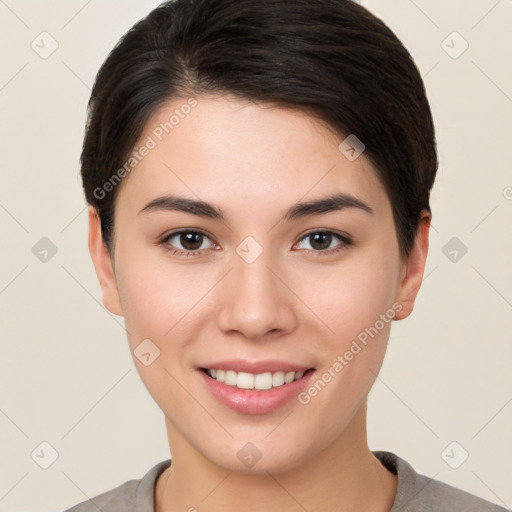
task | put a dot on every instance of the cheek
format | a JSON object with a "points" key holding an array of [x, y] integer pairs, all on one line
{"points": [[357, 304], [160, 304], [351, 297], [156, 296]]}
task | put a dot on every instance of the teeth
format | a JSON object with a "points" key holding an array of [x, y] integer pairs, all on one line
{"points": [[288, 377], [278, 379], [262, 381], [245, 380], [231, 378]]}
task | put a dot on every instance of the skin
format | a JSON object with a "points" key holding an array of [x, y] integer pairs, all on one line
{"points": [[292, 303]]}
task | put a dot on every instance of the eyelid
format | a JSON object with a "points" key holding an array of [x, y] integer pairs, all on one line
{"points": [[164, 239], [344, 238], [340, 234]]}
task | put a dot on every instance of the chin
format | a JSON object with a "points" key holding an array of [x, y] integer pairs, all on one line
{"points": [[271, 461], [261, 455]]}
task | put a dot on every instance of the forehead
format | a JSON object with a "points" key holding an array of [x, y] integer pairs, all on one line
{"points": [[238, 153]]}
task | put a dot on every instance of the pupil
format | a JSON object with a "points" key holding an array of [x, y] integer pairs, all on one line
{"points": [[191, 239], [324, 239]]}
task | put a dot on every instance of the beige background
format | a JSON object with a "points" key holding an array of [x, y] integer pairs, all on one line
{"points": [[67, 377]]}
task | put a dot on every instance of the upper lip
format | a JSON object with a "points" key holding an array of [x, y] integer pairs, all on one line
{"points": [[256, 367]]}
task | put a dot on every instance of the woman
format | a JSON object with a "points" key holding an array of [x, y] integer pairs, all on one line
{"points": [[258, 174]]}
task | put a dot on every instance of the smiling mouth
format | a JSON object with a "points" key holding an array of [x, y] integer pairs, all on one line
{"points": [[260, 382]]}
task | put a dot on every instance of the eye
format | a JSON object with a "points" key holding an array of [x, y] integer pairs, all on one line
{"points": [[191, 241], [320, 242]]}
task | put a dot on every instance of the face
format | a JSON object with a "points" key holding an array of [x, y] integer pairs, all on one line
{"points": [[269, 281]]}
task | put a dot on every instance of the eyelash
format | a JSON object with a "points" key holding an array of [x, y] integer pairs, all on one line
{"points": [[345, 242]]}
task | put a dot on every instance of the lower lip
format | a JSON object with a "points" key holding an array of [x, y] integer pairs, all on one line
{"points": [[250, 401]]}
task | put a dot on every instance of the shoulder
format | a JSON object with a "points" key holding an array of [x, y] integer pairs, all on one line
{"points": [[122, 497], [132, 496], [420, 493]]}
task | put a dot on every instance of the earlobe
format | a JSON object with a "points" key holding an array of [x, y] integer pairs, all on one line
{"points": [[103, 264], [414, 266]]}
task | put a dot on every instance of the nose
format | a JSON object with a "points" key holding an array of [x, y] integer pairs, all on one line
{"points": [[255, 300]]}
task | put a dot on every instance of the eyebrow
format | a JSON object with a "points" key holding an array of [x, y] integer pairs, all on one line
{"points": [[331, 203]]}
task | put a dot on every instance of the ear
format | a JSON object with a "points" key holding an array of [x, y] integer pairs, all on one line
{"points": [[103, 264], [413, 267]]}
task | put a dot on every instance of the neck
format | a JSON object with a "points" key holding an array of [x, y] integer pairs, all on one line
{"points": [[344, 472]]}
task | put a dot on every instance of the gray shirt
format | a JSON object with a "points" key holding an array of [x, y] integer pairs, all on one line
{"points": [[415, 493]]}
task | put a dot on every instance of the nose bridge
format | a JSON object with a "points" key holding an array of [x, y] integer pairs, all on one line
{"points": [[255, 301]]}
